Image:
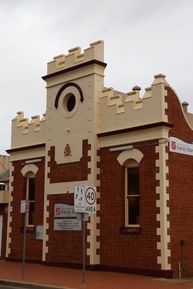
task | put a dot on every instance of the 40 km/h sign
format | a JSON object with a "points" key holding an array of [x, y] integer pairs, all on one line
{"points": [[85, 199], [90, 200]]}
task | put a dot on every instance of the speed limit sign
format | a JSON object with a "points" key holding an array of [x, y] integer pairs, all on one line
{"points": [[90, 199]]}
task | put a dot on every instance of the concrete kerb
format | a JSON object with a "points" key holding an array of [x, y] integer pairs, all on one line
{"points": [[30, 285]]}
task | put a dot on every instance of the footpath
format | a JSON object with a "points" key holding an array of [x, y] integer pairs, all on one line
{"points": [[59, 277]]}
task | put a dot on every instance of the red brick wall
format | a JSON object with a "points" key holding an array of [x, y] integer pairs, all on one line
{"points": [[33, 246], [63, 246], [180, 191], [69, 172], [123, 250], [3, 212]]}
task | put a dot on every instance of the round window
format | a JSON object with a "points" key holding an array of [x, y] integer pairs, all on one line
{"points": [[69, 102]]}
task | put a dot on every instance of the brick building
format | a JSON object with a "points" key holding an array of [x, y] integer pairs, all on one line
{"points": [[4, 200], [136, 149]]}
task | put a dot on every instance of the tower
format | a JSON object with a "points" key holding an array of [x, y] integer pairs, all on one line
{"points": [[74, 82]]}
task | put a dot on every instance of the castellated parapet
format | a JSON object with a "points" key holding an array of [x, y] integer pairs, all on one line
{"points": [[119, 110], [75, 57], [27, 132]]}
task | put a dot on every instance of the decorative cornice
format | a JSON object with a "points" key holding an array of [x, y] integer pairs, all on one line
{"points": [[135, 128], [25, 148], [81, 65]]}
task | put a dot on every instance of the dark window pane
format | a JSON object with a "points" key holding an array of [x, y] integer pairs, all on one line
{"points": [[133, 209], [133, 195], [31, 213], [31, 189], [31, 196], [71, 101], [133, 181]]}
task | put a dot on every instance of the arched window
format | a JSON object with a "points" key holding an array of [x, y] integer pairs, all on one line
{"points": [[130, 159], [29, 171]]}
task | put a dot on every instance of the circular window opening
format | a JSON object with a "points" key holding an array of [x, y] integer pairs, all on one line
{"points": [[69, 102]]}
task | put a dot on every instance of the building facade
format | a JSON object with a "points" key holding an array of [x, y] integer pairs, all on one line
{"points": [[4, 200], [131, 147]]}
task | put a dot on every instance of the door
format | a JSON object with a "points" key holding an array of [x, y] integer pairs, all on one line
{"points": [[1, 234]]}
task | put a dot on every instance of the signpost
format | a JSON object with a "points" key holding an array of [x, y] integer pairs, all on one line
{"points": [[84, 203], [24, 209], [85, 199]]}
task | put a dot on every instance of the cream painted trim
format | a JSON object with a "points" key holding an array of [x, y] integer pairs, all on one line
{"points": [[10, 209], [45, 228], [29, 168], [124, 156], [28, 154], [91, 239], [161, 203], [133, 137], [92, 225]]}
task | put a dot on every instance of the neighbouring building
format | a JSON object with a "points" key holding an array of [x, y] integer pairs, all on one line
{"points": [[135, 148], [4, 200]]}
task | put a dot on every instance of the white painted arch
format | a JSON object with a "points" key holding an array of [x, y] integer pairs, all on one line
{"points": [[30, 168], [126, 155]]}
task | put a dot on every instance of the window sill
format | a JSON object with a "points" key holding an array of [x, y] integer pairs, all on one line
{"points": [[133, 230]]}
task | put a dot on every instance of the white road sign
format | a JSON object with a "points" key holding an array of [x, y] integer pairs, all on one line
{"points": [[90, 199], [85, 199], [79, 199]]}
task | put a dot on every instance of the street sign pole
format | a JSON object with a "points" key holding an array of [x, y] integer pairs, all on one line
{"points": [[24, 209], [84, 203], [24, 246]]}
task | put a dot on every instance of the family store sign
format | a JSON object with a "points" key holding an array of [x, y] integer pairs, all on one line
{"points": [[181, 147]]}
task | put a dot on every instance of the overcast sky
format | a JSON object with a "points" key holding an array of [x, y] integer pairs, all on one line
{"points": [[142, 38]]}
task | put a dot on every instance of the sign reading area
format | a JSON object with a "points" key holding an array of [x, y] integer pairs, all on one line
{"points": [[181, 147], [85, 199]]}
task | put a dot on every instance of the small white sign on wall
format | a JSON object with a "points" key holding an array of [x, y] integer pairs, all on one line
{"points": [[63, 210], [24, 206], [67, 225], [39, 232]]}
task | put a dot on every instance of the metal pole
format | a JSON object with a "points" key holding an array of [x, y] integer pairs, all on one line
{"points": [[24, 247], [83, 252]]}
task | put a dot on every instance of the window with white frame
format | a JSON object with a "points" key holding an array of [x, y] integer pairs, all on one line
{"points": [[132, 195], [130, 160]]}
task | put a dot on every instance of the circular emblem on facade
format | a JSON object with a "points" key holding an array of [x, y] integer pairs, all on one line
{"points": [[68, 99]]}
